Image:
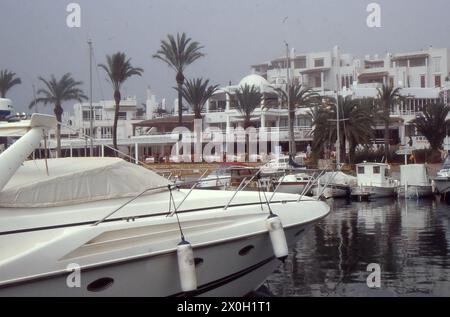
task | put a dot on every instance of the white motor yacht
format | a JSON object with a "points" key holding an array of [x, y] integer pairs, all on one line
{"points": [[106, 227]]}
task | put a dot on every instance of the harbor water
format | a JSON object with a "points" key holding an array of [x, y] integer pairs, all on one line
{"points": [[408, 239]]}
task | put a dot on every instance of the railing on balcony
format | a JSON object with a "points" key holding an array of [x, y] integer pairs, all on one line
{"points": [[300, 133]]}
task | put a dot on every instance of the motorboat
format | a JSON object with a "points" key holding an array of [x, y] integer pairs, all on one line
{"points": [[106, 227], [219, 178], [374, 181], [282, 163], [294, 183], [334, 185], [442, 180], [414, 181]]}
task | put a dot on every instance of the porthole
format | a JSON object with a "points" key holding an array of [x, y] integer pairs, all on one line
{"points": [[198, 261], [246, 250], [100, 284]]}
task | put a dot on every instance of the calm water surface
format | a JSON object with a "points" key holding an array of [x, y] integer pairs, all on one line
{"points": [[410, 240]]}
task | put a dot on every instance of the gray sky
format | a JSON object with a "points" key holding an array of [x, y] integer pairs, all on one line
{"points": [[35, 40]]}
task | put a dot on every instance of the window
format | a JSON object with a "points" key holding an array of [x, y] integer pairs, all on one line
{"points": [[417, 62], [122, 115], [106, 132], [86, 115], [300, 63], [422, 81], [402, 63], [319, 62], [360, 169], [376, 170], [437, 80], [436, 64], [317, 81], [283, 122]]}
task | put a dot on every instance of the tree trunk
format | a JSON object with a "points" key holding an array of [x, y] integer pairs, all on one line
{"points": [[351, 153], [117, 98], [291, 119], [180, 81], [58, 113], [342, 153], [386, 137]]}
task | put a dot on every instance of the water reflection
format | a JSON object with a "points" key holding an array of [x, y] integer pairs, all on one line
{"points": [[409, 239]]}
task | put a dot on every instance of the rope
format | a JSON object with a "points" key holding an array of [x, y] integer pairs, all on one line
{"points": [[172, 199]]}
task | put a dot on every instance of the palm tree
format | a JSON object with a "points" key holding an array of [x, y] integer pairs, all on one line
{"points": [[56, 92], [387, 97], [299, 97], [197, 92], [247, 99], [356, 127], [433, 124], [119, 69], [178, 54], [7, 81]]}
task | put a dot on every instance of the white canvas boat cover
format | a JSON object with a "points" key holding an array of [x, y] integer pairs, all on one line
{"points": [[338, 178], [76, 180], [414, 174]]}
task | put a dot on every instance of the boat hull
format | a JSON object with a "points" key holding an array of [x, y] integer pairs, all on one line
{"points": [[223, 272], [415, 191], [332, 191], [373, 191], [442, 185], [138, 257]]}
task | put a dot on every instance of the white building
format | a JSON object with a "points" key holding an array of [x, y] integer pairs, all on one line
{"points": [[422, 75], [76, 126]]}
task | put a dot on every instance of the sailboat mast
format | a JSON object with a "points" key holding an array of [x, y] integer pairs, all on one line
{"points": [[338, 137], [288, 92], [91, 114]]}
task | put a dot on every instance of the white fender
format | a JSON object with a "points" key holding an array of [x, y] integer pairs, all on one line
{"points": [[277, 237], [186, 266]]}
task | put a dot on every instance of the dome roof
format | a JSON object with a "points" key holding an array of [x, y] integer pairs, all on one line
{"points": [[255, 80]]}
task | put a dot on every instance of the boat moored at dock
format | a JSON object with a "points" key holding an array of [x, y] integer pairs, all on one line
{"points": [[122, 228], [414, 182], [374, 181], [442, 180]]}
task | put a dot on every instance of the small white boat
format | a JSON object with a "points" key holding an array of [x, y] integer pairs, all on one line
{"points": [[281, 164], [219, 178], [414, 182], [337, 184], [294, 183], [374, 181]]}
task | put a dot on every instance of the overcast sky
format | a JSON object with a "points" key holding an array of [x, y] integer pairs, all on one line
{"points": [[35, 40]]}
